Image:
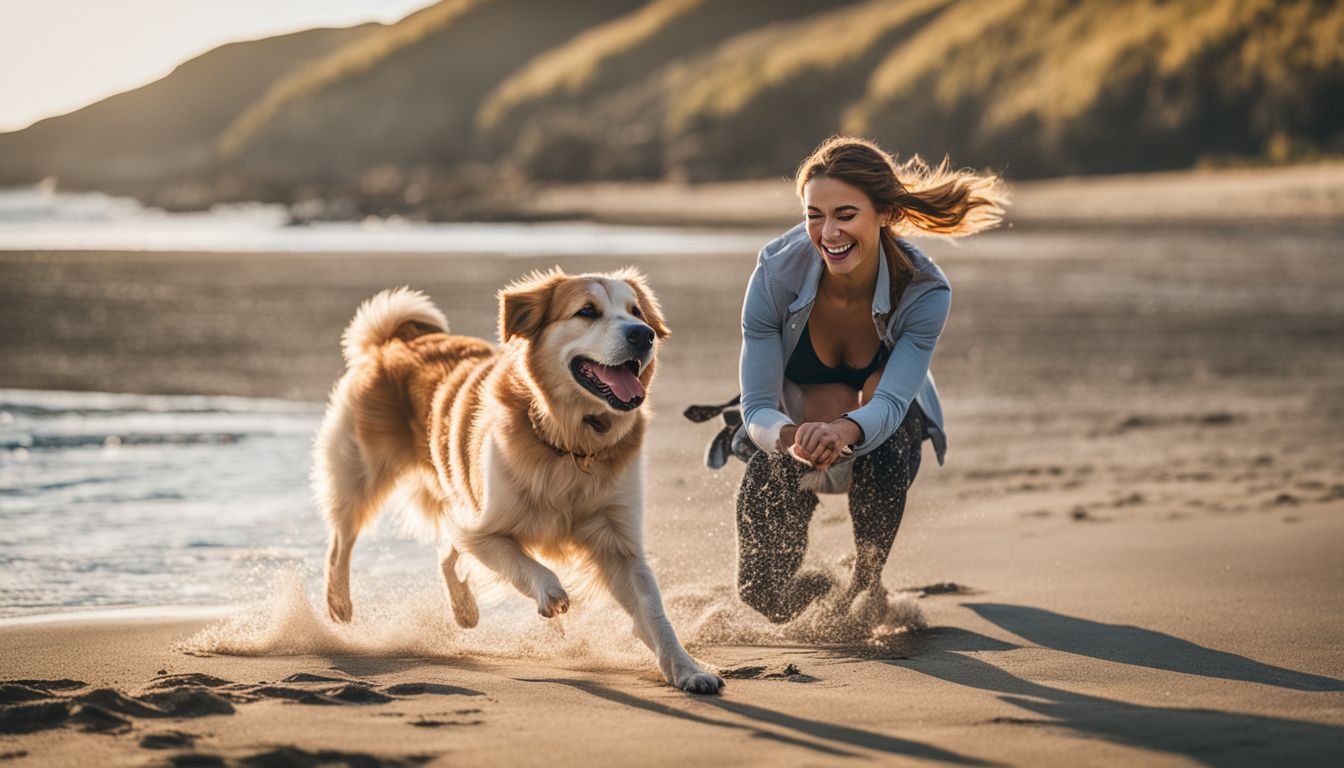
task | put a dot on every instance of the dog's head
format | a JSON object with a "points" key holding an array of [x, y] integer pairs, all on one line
{"points": [[591, 337]]}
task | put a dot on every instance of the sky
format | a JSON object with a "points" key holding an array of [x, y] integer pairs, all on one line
{"points": [[59, 55]]}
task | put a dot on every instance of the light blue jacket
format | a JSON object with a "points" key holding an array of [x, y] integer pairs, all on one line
{"points": [[778, 302]]}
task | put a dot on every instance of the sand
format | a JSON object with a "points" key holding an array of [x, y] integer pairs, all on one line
{"points": [[1131, 556]]}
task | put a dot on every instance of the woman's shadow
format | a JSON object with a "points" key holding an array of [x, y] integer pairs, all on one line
{"points": [[1140, 647], [1207, 736]]}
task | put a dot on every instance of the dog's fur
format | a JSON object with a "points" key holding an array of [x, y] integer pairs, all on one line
{"points": [[506, 448]]}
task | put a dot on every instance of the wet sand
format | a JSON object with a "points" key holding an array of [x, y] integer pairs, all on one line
{"points": [[1142, 510]]}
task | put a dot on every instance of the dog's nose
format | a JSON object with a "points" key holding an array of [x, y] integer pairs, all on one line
{"points": [[640, 337]]}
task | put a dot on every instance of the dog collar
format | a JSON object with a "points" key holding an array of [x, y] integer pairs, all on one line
{"points": [[583, 461]]}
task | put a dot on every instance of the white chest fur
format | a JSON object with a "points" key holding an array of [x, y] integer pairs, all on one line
{"points": [[556, 500]]}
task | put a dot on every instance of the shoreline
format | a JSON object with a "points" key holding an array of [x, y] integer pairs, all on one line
{"points": [[136, 613], [1200, 197]]}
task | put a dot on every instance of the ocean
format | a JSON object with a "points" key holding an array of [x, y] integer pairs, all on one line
{"points": [[127, 500], [38, 218]]}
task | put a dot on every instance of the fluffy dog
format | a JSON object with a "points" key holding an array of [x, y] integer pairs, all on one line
{"points": [[524, 452]]}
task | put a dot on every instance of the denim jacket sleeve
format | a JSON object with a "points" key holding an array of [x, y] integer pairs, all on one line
{"points": [[906, 370], [761, 369]]}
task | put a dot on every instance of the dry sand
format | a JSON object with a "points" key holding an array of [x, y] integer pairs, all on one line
{"points": [[1142, 510]]}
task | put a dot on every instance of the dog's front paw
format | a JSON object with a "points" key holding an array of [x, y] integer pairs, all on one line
{"points": [[552, 600], [700, 682]]}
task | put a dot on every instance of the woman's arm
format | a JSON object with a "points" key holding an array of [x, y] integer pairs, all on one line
{"points": [[906, 370], [761, 368]]}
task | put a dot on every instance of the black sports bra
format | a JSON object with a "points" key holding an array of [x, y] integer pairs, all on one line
{"points": [[805, 367]]}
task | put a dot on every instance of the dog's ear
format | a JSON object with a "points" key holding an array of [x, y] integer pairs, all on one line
{"points": [[648, 303], [524, 303]]}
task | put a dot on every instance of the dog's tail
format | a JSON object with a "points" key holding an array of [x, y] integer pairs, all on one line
{"points": [[381, 318]]}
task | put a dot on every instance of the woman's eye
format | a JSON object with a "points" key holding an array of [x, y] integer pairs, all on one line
{"points": [[850, 217], [813, 216], [588, 311]]}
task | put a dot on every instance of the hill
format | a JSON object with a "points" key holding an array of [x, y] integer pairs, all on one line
{"points": [[1041, 88], [484, 97], [166, 129], [407, 95]]}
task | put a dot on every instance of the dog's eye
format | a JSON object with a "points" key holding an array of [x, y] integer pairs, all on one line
{"points": [[637, 313], [588, 311]]}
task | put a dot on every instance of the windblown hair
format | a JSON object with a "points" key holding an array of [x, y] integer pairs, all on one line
{"points": [[937, 200]]}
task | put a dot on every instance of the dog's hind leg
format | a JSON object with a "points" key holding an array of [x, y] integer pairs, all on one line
{"points": [[348, 490], [346, 517], [339, 607], [432, 509], [459, 591]]}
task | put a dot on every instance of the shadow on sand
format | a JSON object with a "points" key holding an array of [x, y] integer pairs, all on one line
{"points": [[1206, 736], [1142, 647], [812, 734]]}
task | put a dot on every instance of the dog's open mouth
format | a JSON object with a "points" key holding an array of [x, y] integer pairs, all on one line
{"points": [[619, 385]]}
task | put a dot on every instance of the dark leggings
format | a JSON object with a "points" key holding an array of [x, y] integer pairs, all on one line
{"points": [[773, 515]]}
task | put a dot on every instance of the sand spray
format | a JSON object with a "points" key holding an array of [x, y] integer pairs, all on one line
{"points": [[413, 619]]}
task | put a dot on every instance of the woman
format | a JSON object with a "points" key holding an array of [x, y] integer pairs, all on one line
{"points": [[839, 325]]}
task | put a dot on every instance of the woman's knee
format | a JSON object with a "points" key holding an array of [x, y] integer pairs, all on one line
{"points": [[758, 595], [783, 599]]}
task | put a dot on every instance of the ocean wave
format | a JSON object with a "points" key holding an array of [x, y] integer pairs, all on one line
{"points": [[33, 219], [46, 442], [33, 402]]}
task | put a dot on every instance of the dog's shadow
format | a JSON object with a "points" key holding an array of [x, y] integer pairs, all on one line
{"points": [[814, 735]]}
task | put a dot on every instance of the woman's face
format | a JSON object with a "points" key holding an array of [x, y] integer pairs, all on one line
{"points": [[843, 224]]}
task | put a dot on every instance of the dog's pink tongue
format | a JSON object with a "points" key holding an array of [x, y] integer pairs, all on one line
{"points": [[623, 383]]}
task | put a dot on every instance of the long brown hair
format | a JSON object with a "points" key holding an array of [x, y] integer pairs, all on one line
{"points": [[940, 200]]}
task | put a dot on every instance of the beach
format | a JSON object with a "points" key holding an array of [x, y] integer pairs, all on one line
{"points": [[1131, 555]]}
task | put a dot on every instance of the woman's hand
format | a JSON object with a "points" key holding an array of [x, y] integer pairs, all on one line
{"points": [[822, 442]]}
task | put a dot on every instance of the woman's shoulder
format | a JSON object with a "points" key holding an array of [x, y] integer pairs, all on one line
{"points": [[785, 261], [788, 246]]}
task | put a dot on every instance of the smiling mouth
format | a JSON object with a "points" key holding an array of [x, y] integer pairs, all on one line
{"points": [[839, 251], [618, 385]]}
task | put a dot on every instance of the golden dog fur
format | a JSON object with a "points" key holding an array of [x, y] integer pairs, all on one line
{"points": [[506, 448]]}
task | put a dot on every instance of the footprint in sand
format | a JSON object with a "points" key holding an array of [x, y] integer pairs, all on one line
{"points": [[790, 673], [29, 706], [293, 757], [102, 709], [168, 740]]}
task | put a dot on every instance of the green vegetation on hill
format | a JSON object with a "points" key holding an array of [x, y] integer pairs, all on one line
{"points": [[598, 106], [343, 63], [710, 90], [1058, 86], [764, 99], [590, 60], [408, 96]]}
